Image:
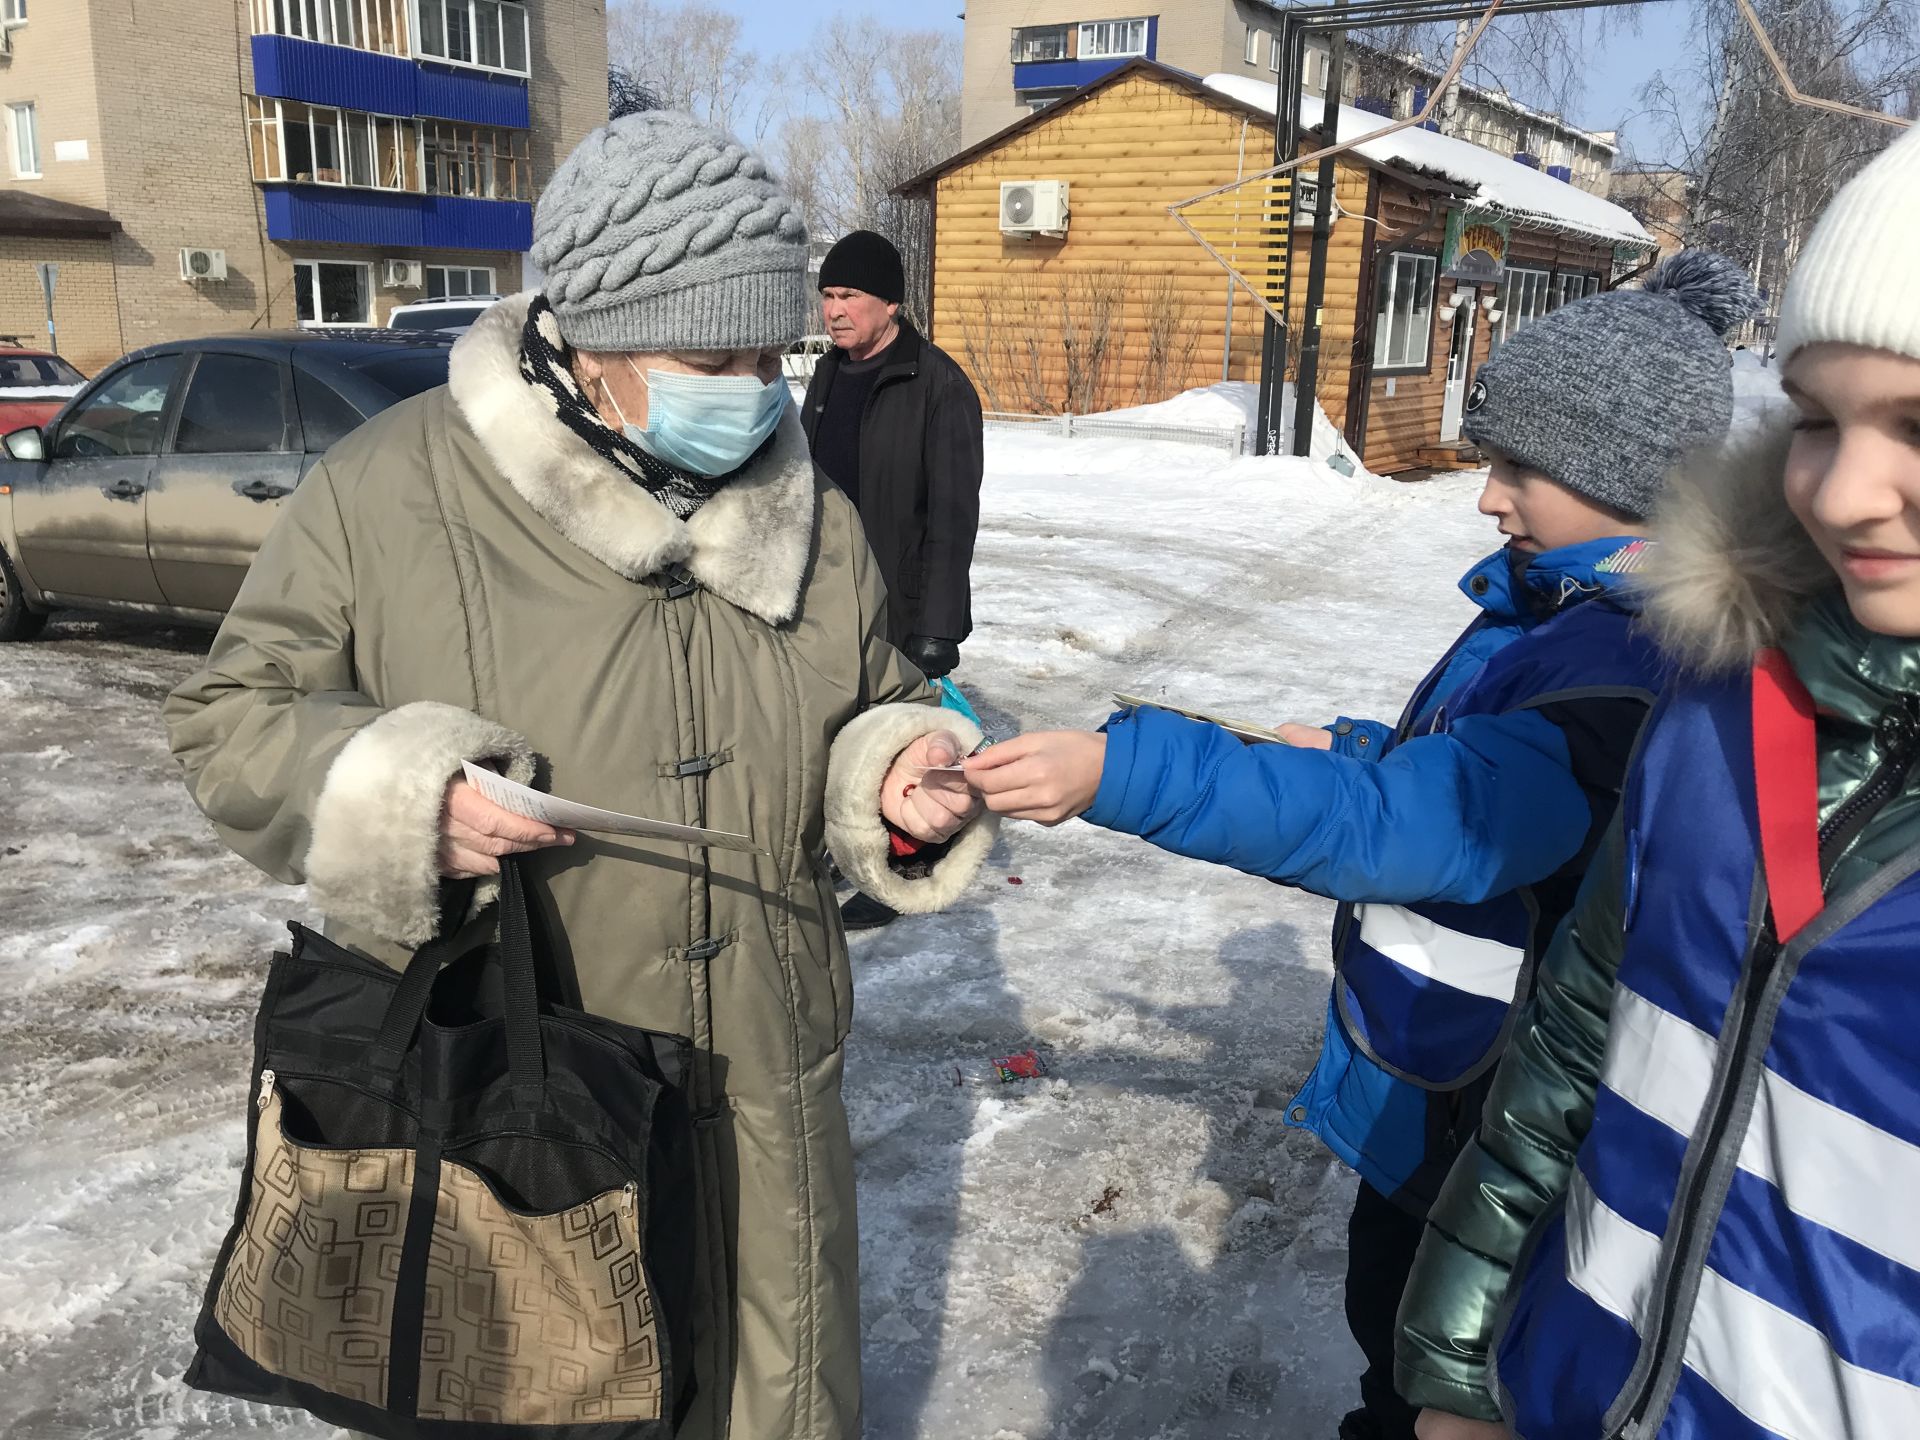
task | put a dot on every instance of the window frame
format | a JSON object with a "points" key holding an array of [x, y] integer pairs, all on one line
{"points": [[1250, 53], [1557, 292], [289, 415], [1087, 50], [394, 144], [1389, 271], [25, 136], [380, 27], [364, 266], [445, 270], [1273, 54], [502, 9], [13, 13], [1508, 325]]}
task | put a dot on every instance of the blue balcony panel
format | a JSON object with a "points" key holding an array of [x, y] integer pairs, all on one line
{"points": [[331, 215], [1062, 74], [384, 84]]}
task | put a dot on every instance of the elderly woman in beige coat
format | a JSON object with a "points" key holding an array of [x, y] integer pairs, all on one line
{"points": [[601, 557]]}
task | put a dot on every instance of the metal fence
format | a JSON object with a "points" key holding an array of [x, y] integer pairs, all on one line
{"points": [[1232, 439]]}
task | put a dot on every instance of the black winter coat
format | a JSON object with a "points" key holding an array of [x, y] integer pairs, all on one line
{"points": [[920, 464]]}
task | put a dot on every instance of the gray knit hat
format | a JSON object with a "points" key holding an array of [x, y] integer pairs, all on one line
{"points": [[1607, 394], [660, 233]]}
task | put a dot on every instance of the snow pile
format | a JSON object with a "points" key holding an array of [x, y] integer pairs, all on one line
{"points": [[1237, 402], [1499, 182], [1757, 395]]}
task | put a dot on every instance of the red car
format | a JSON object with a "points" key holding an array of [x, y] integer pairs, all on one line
{"points": [[33, 386]]}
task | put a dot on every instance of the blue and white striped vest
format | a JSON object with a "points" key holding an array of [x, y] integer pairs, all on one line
{"points": [[1738, 1254]]}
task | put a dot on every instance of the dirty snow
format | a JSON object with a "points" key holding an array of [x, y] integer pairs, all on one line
{"points": [[1500, 182], [1132, 1248]]}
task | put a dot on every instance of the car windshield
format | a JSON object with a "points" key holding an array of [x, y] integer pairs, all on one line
{"points": [[440, 317], [408, 373], [25, 372]]}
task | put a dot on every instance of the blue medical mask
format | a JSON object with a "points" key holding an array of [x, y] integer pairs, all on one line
{"points": [[709, 424]]}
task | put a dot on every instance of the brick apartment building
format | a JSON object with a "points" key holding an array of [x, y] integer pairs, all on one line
{"points": [[198, 166], [1021, 55]]}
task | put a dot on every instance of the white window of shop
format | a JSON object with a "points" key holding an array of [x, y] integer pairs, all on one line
{"points": [[1105, 39], [1524, 296], [455, 282], [333, 292], [1571, 287], [1403, 314], [486, 34]]}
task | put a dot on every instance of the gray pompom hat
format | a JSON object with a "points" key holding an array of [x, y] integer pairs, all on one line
{"points": [[660, 233], [1608, 394]]}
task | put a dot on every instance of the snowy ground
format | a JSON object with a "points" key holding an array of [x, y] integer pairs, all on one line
{"points": [[1134, 1248]]}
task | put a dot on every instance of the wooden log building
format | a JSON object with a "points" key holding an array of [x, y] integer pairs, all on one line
{"points": [[1438, 251]]}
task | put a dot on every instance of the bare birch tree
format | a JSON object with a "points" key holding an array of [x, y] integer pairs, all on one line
{"points": [[693, 57]]}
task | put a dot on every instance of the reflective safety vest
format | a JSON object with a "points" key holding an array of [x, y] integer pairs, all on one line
{"points": [[1738, 1253]]}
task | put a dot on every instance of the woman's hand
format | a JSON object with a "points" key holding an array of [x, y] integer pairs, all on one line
{"points": [[1305, 737], [930, 808], [1048, 776], [1438, 1425], [475, 833]]}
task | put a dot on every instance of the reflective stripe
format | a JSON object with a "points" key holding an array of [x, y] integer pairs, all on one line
{"points": [[1773, 1367], [1486, 968], [1831, 1167]]}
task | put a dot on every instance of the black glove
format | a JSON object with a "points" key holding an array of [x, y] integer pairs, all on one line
{"points": [[933, 656]]}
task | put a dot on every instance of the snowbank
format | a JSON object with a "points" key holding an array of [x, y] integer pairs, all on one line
{"points": [[1500, 182], [1237, 402], [1756, 389]]}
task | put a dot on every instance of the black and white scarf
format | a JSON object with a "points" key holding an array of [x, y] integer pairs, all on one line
{"points": [[546, 363]]}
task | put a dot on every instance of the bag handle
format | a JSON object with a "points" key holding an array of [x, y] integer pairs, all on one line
{"points": [[1786, 782], [526, 1056]]}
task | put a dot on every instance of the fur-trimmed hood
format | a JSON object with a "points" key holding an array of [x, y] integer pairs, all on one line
{"points": [[1733, 569], [749, 544]]}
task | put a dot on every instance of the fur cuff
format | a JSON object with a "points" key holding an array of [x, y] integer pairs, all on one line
{"points": [[863, 752], [374, 862]]}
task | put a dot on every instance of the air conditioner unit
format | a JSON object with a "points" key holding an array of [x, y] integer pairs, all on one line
{"points": [[1033, 207], [401, 274], [197, 263]]}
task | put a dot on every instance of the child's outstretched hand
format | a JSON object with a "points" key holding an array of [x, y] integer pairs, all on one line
{"points": [[1305, 737], [1048, 776]]}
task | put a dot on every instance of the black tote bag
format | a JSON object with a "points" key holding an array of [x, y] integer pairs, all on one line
{"points": [[467, 1211]]}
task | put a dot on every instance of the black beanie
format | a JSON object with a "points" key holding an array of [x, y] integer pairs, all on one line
{"points": [[866, 261]]}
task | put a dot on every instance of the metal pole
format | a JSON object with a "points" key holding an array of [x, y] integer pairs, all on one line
{"points": [[1307, 382], [1273, 340]]}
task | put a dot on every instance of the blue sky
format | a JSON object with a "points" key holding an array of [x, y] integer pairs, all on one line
{"points": [[1621, 64]]}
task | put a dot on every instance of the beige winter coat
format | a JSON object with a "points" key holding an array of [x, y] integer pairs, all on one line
{"points": [[464, 578]]}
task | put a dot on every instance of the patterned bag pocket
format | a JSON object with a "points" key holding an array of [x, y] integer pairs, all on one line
{"points": [[537, 1318], [309, 1291]]}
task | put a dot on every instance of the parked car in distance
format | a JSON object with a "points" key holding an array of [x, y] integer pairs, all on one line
{"points": [[34, 384], [452, 316], [151, 490]]}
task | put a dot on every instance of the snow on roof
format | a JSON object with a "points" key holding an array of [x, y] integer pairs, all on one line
{"points": [[1499, 183]]}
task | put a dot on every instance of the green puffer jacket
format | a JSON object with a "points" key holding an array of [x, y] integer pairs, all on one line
{"points": [[464, 578], [1734, 572]]}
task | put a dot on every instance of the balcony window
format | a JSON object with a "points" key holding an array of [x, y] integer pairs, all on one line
{"points": [[1108, 39], [474, 161], [315, 145], [486, 34], [1041, 42], [377, 25]]}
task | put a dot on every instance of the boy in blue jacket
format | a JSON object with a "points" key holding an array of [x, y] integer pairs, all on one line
{"points": [[1456, 839]]}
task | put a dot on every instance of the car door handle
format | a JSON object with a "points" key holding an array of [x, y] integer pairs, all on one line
{"points": [[263, 490], [124, 490]]}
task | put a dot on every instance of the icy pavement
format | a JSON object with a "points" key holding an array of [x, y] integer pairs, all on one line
{"points": [[1132, 1248]]}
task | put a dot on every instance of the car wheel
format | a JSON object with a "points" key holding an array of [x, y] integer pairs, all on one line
{"points": [[17, 620]]}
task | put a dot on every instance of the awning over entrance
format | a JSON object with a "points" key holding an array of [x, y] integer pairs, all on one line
{"points": [[22, 213]]}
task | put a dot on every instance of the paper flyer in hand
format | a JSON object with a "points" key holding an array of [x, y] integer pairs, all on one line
{"points": [[538, 805], [1245, 729]]}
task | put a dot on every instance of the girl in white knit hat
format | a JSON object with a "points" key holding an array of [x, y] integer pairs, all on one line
{"points": [[1690, 1208]]}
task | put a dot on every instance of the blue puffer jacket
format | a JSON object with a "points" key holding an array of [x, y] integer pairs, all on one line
{"points": [[1461, 833]]}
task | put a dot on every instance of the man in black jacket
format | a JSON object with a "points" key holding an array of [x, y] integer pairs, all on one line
{"points": [[896, 425]]}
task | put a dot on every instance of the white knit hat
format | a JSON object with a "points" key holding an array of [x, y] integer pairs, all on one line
{"points": [[1858, 280]]}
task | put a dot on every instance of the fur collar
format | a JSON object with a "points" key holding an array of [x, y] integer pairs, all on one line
{"points": [[749, 544], [1733, 569]]}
